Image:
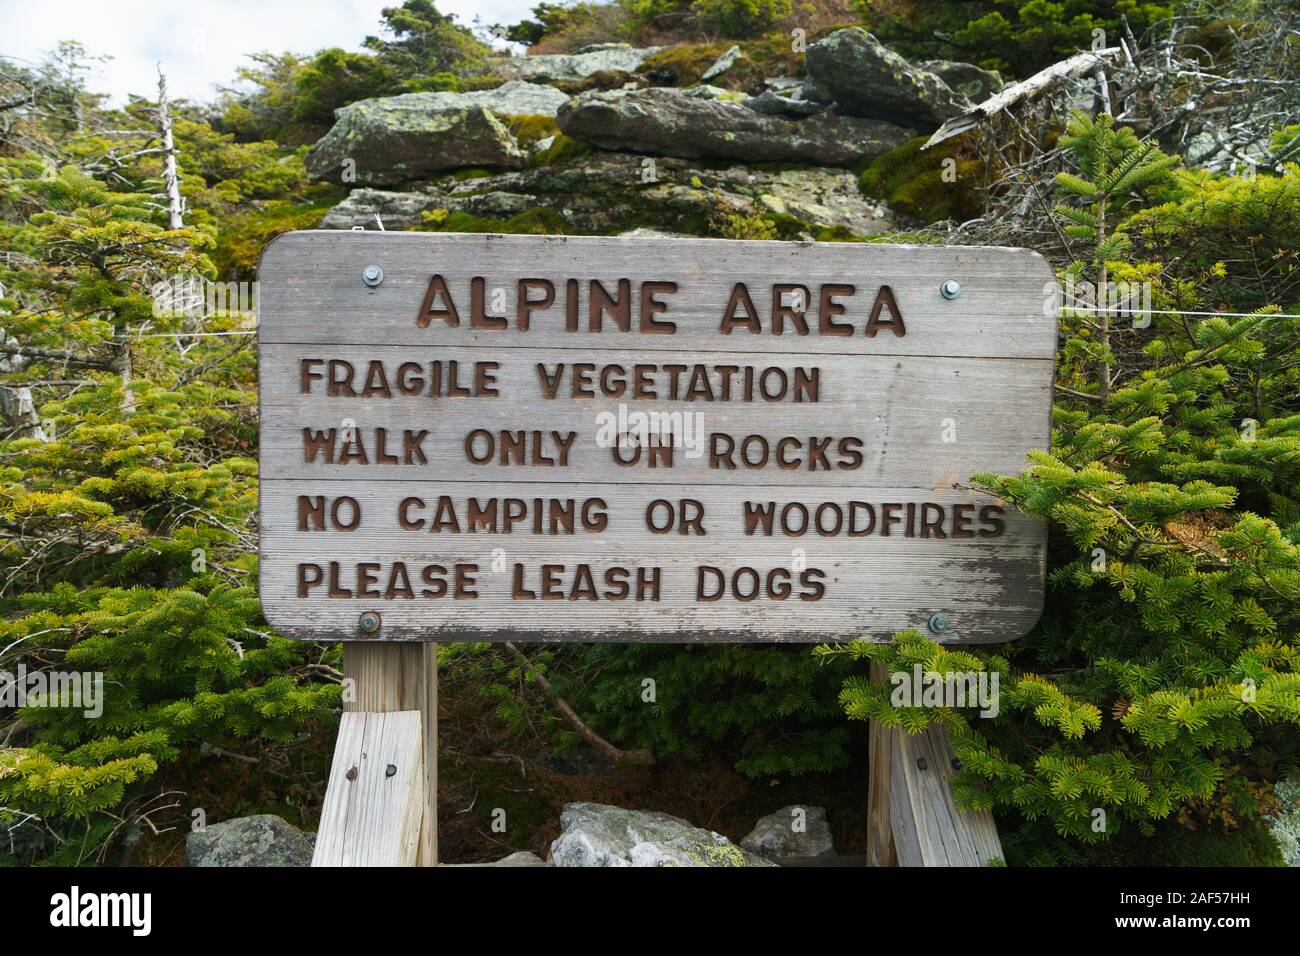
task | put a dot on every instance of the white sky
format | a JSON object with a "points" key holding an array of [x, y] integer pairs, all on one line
{"points": [[201, 42]]}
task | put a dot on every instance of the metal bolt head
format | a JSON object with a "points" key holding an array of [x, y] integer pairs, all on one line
{"points": [[370, 621], [939, 623], [390, 770], [372, 276], [922, 764], [352, 773], [950, 288]]}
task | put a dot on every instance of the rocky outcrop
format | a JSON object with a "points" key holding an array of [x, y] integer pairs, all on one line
{"points": [[394, 138], [791, 832], [394, 210], [562, 67], [261, 840], [673, 122], [384, 143], [609, 193], [516, 98], [594, 834], [864, 77]]}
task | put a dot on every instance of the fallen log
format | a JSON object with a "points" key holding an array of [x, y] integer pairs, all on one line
{"points": [[1041, 82]]}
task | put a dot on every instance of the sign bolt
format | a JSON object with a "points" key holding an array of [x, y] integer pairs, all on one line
{"points": [[939, 623], [370, 621], [372, 276], [922, 764], [351, 774], [949, 289], [390, 770]]}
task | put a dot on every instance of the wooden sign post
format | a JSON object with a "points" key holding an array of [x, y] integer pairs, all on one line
{"points": [[491, 438]]}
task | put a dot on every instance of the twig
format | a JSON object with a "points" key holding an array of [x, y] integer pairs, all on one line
{"points": [[584, 730]]}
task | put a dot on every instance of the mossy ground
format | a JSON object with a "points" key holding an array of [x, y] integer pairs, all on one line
{"points": [[538, 221], [245, 234], [930, 185], [685, 65]]}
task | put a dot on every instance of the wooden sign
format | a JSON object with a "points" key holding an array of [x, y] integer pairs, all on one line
{"points": [[481, 437]]}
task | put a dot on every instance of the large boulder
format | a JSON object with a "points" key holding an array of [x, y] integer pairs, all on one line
{"points": [[395, 138], [562, 67], [673, 122], [864, 77], [389, 143], [261, 840], [516, 98], [606, 193], [595, 834], [791, 832]]}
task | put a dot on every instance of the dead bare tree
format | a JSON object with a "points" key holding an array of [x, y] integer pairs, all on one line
{"points": [[1218, 108], [171, 178]]}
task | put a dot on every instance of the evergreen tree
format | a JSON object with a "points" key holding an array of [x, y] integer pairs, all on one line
{"points": [[127, 520], [1161, 683]]}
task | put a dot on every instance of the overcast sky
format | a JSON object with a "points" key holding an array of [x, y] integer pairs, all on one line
{"points": [[201, 42]]}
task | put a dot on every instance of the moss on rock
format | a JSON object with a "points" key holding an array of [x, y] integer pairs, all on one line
{"points": [[929, 184]]}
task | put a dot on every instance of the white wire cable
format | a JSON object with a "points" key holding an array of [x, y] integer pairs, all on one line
{"points": [[1064, 308]]}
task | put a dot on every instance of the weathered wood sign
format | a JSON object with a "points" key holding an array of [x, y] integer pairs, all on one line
{"points": [[517, 437]]}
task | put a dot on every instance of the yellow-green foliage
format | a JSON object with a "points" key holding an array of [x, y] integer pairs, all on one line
{"points": [[538, 221], [933, 184], [741, 18], [528, 130], [1163, 680], [247, 232], [686, 64], [563, 149]]}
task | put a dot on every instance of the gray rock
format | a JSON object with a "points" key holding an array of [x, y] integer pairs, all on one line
{"points": [[391, 141], [394, 138], [824, 197], [605, 193], [261, 840], [522, 858], [791, 831], [707, 91], [782, 82], [645, 232], [595, 834], [396, 210], [722, 64], [974, 83], [866, 78], [778, 104], [674, 123], [515, 98], [553, 67]]}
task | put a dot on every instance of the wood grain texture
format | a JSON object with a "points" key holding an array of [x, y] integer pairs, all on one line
{"points": [[967, 389], [311, 290], [927, 826], [991, 588], [371, 817], [401, 677], [922, 423]]}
